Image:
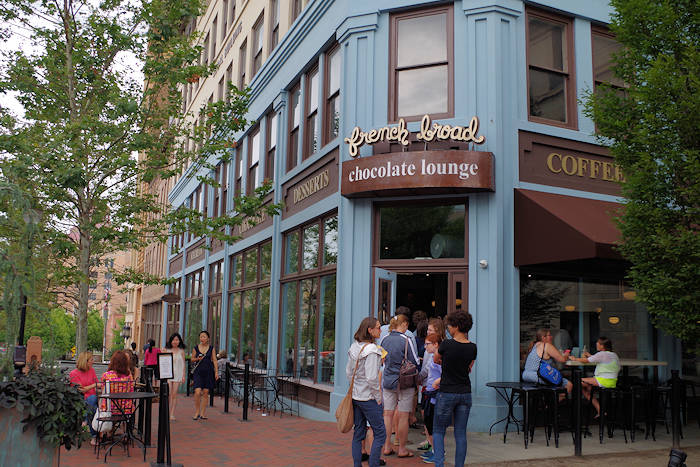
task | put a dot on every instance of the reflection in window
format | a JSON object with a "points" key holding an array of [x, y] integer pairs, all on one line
{"points": [[294, 121], [310, 254], [326, 338], [422, 232], [312, 130], [421, 63], [330, 241], [333, 94], [249, 310], [289, 308], [263, 320], [307, 327], [193, 322], [579, 310], [251, 266], [235, 329], [265, 261], [292, 253]]}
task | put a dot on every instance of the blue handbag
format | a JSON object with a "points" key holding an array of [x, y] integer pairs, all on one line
{"points": [[547, 372]]}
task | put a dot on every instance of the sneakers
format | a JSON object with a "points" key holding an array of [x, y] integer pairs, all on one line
{"points": [[429, 458], [424, 447], [427, 454]]}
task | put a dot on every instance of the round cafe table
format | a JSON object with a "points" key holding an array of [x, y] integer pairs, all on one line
{"points": [[118, 409]]}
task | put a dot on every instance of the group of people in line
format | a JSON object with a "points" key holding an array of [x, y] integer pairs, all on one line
{"points": [[383, 407], [122, 371], [381, 404]]}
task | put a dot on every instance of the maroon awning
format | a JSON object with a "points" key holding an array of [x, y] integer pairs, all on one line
{"points": [[551, 228]]}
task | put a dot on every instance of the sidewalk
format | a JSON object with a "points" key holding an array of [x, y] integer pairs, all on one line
{"points": [[223, 440]]}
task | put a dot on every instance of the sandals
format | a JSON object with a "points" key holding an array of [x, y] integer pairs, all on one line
{"points": [[202, 417], [196, 417]]}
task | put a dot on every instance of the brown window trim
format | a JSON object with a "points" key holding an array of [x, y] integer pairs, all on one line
{"points": [[293, 132], [328, 98], [412, 263], [393, 52], [257, 50], [308, 114], [570, 83], [250, 182], [270, 151]]}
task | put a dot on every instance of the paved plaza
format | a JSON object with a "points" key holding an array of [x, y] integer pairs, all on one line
{"points": [[223, 440]]}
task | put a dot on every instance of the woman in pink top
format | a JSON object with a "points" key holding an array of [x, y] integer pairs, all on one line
{"points": [[150, 357], [85, 379]]}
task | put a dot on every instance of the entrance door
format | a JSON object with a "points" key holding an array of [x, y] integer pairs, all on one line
{"points": [[384, 295]]}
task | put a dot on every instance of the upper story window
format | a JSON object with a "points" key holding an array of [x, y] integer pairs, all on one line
{"points": [[294, 124], [274, 25], [271, 145], [253, 161], [242, 58], [205, 50], [239, 172], [214, 32], [224, 19], [311, 130], [421, 76], [550, 59], [258, 44], [332, 94], [604, 47], [296, 9]]}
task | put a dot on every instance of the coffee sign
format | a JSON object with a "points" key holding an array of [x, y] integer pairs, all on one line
{"points": [[429, 131]]}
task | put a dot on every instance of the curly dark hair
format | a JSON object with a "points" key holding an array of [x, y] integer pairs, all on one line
{"points": [[169, 344], [462, 320], [120, 363]]}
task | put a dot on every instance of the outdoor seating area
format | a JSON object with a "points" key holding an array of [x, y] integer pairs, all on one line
{"points": [[635, 406]]}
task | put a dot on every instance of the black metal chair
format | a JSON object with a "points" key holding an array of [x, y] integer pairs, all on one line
{"points": [[288, 393]]}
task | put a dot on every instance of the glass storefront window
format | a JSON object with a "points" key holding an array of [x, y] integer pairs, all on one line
{"points": [[237, 274], [307, 328], [249, 310], [289, 307], [310, 254], [579, 310], [235, 329], [330, 241], [422, 232], [193, 322], [307, 312], [266, 261], [263, 320], [326, 337], [251, 266], [292, 253]]}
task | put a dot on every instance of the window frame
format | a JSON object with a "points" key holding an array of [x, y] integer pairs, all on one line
{"points": [[394, 69], [311, 114], [271, 150], [293, 131], [570, 73], [258, 41], [242, 64], [328, 95], [319, 273], [233, 289], [274, 25], [253, 166]]}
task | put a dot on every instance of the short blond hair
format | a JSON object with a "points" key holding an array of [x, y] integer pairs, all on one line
{"points": [[82, 363]]}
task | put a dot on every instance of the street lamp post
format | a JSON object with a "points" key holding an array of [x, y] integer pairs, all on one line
{"points": [[31, 218]]}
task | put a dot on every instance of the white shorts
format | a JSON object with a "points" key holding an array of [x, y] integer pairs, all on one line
{"points": [[402, 397]]}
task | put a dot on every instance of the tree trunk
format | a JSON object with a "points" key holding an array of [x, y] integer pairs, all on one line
{"points": [[83, 289]]}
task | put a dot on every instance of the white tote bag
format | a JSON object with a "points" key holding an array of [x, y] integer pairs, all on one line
{"points": [[99, 424]]}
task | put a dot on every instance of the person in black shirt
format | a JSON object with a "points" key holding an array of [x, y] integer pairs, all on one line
{"points": [[454, 398]]}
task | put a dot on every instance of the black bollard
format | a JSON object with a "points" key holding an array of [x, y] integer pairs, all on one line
{"points": [[148, 416], [578, 371], [187, 382], [164, 428], [246, 383], [676, 409], [227, 385]]}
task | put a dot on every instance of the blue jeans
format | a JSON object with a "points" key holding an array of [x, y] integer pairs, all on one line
{"points": [[91, 402], [450, 405], [367, 411]]}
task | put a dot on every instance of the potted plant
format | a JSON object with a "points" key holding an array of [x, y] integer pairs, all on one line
{"points": [[39, 412]]}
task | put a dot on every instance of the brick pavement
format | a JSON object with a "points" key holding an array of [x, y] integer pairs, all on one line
{"points": [[223, 440]]}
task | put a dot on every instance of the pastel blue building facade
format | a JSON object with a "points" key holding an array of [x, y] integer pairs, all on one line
{"points": [[489, 78]]}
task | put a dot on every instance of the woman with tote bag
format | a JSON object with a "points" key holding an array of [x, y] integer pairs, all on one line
{"points": [[364, 364]]}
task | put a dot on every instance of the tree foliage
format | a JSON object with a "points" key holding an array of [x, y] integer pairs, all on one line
{"points": [[653, 127], [101, 84]]}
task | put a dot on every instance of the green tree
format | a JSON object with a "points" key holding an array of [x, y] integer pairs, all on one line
{"points": [[88, 111], [653, 128], [96, 327], [117, 340]]}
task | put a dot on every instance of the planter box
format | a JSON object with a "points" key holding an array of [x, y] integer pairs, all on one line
{"points": [[20, 449]]}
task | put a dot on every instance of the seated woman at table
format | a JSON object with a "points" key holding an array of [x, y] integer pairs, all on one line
{"points": [[85, 379], [606, 369], [542, 349], [118, 378]]}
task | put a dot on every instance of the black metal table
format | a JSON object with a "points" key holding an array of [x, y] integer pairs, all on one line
{"points": [[128, 435], [511, 392]]}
